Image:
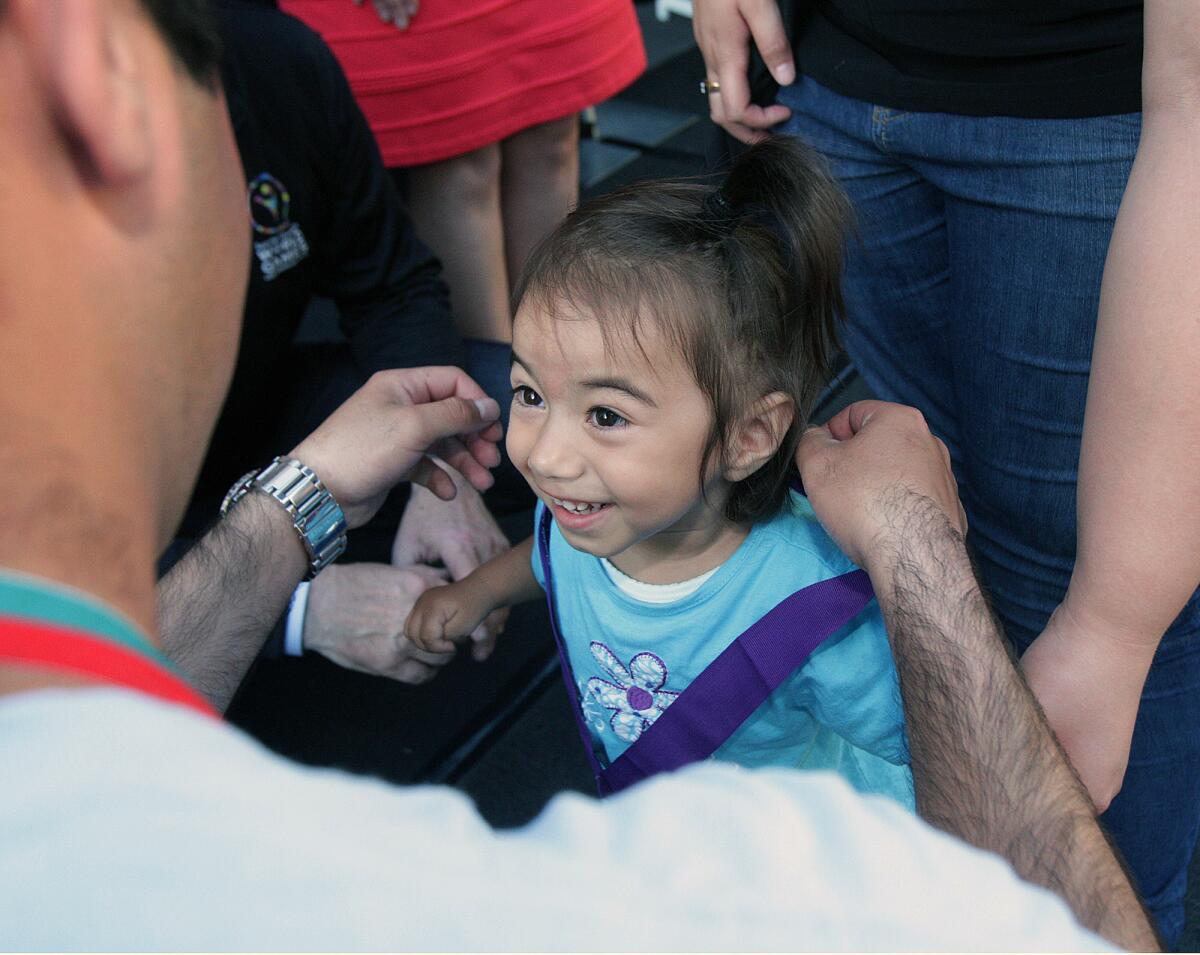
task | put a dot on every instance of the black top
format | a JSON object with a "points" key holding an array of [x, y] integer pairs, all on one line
{"points": [[326, 221], [1032, 58]]}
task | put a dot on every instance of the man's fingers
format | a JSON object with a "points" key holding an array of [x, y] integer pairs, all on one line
{"points": [[813, 443], [431, 576], [482, 649], [459, 558], [853, 418], [418, 386], [483, 637], [429, 475], [449, 418], [414, 672], [426, 657], [484, 445], [472, 459]]}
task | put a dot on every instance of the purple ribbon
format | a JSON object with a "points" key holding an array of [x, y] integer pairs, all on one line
{"points": [[731, 688]]}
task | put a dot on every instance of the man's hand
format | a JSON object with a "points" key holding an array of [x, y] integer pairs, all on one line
{"points": [[861, 461], [396, 12], [390, 430], [1088, 680], [723, 30], [985, 768], [460, 534], [356, 615]]}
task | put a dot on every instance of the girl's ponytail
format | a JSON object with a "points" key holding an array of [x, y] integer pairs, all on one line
{"points": [[780, 220], [791, 216]]}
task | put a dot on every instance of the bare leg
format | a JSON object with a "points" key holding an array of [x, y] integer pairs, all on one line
{"points": [[455, 206], [539, 185]]}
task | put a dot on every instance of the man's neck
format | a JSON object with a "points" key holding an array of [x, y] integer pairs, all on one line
{"points": [[83, 527]]}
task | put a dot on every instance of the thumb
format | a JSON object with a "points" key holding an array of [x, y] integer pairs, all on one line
{"points": [[812, 442], [452, 416]]}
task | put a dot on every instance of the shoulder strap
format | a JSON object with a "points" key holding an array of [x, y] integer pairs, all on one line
{"points": [[740, 679], [732, 687], [543, 548]]}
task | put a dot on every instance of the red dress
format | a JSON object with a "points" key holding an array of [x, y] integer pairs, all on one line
{"points": [[471, 72]]}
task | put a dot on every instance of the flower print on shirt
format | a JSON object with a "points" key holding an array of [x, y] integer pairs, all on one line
{"points": [[636, 697]]}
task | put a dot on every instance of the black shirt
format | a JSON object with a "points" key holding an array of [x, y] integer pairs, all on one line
{"points": [[325, 220], [1031, 58]]}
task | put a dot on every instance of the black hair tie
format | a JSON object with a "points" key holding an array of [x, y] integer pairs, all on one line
{"points": [[718, 212]]}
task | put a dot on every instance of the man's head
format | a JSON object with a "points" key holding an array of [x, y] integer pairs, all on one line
{"points": [[187, 27], [122, 252]]}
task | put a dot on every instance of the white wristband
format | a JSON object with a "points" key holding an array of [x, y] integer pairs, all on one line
{"points": [[293, 631]]}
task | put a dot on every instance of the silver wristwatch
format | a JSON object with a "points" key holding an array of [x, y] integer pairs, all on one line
{"points": [[316, 515]]}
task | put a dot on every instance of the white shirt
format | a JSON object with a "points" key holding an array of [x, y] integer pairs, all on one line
{"points": [[130, 824]]}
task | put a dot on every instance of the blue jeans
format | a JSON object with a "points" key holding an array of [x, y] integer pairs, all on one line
{"points": [[972, 289]]}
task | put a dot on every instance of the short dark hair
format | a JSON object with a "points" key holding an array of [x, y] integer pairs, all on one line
{"points": [[745, 280], [190, 33]]}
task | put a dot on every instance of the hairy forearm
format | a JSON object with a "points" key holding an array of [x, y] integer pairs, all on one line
{"points": [[217, 605], [985, 767]]}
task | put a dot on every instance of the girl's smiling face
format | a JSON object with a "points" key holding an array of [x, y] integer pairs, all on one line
{"points": [[611, 437]]}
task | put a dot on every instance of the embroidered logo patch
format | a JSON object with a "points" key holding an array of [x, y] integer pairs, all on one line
{"points": [[635, 696], [280, 243]]}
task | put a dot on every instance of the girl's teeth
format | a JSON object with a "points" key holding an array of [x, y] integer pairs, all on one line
{"points": [[576, 508]]}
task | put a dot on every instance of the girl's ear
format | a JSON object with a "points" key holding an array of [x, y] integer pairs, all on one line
{"points": [[757, 436]]}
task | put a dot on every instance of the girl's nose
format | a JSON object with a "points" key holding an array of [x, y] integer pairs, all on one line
{"points": [[553, 457]]}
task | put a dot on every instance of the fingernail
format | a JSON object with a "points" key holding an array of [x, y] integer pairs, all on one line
{"points": [[785, 74], [488, 409]]}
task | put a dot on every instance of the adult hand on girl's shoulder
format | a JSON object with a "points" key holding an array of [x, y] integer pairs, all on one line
{"points": [[723, 30], [875, 471], [399, 13]]}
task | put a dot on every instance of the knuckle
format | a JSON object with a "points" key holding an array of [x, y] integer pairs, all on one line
{"points": [[912, 417]]}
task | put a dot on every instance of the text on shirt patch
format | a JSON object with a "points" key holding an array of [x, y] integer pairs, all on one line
{"points": [[280, 243]]}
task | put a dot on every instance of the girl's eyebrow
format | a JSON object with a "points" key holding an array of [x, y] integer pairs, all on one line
{"points": [[615, 384], [620, 384], [515, 359]]}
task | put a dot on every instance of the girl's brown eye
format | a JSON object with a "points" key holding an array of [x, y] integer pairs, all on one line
{"points": [[527, 396], [606, 418]]}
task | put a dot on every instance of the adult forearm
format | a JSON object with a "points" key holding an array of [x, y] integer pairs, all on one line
{"points": [[1139, 471], [217, 605], [985, 767]]}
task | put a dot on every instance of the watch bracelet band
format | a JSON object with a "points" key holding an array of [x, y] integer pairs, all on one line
{"points": [[315, 514]]}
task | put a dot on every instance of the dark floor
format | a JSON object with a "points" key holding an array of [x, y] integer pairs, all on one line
{"points": [[502, 731]]}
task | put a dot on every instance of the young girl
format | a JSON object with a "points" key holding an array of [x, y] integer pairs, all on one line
{"points": [[669, 343]]}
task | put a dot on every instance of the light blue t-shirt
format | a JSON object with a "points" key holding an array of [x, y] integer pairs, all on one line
{"points": [[631, 659]]}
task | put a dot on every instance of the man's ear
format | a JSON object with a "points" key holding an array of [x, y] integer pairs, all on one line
{"points": [[86, 53], [757, 436]]}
